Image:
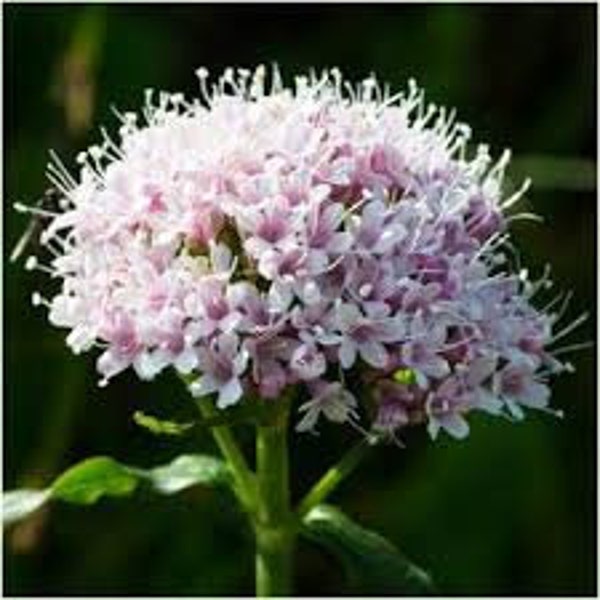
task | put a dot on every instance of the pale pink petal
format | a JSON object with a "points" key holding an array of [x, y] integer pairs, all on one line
{"points": [[230, 393], [455, 425], [204, 385], [374, 354], [347, 354], [535, 395]]}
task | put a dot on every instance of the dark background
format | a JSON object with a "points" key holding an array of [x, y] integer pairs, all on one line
{"points": [[509, 511]]}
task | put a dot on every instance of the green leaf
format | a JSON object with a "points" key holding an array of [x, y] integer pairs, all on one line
{"points": [[188, 470], [21, 503], [158, 426], [373, 565], [93, 478]]}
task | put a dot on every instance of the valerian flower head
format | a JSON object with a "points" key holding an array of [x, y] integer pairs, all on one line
{"points": [[263, 236]]}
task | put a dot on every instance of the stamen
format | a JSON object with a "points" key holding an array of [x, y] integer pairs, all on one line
{"points": [[572, 348], [336, 75], [202, 74], [35, 210], [517, 195], [525, 216], [57, 183], [351, 92], [497, 171], [553, 411], [352, 415], [563, 307], [569, 328], [56, 252], [38, 300], [257, 87], [60, 169], [22, 243], [546, 309], [542, 283], [32, 264], [494, 241], [111, 146]]}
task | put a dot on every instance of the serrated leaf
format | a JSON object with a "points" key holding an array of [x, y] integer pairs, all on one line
{"points": [[159, 426], [93, 478], [373, 565], [188, 470], [19, 504]]}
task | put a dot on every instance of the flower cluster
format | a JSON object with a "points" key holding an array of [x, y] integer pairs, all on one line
{"points": [[260, 238]]}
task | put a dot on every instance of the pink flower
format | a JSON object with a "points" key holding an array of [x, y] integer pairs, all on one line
{"points": [[518, 386], [307, 362], [259, 239], [398, 405], [366, 334], [377, 231], [222, 365], [422, 352], [328, 399], [445, 408], [323, 230], [270, 354]]}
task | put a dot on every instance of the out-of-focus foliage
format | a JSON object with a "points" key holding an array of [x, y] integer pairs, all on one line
{"points": [[99, 476], [509, 511]]}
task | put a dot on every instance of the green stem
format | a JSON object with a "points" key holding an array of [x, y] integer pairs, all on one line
{"points": [[244, 481], [275, 532], [333, 477]]}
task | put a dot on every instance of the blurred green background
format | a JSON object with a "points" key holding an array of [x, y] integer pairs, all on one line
{"points": [[510, 511]]}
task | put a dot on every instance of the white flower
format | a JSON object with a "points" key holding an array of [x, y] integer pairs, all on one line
{"points": [[221, 365], [518, 386], [366, 334], [332, 401], [259, 239]]}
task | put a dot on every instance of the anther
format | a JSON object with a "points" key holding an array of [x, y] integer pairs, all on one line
{"points": [[31, 263]]}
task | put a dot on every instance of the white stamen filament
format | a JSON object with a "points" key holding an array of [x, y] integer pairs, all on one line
{"points": [[569, 328]]}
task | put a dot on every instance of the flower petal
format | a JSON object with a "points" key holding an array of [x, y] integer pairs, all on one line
{"points": [[149, 364], [309, 420], [347, 353], [186, 361], [203, 386], [487, 401], [535, 395], [230, 393], [374, 353], [455, 425]]}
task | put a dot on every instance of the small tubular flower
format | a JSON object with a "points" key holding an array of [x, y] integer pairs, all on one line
{"points": [[257, 239]]}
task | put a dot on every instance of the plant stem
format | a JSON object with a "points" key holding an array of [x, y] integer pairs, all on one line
{"points": [[331, 479], [243, 478], [274, 528]]}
